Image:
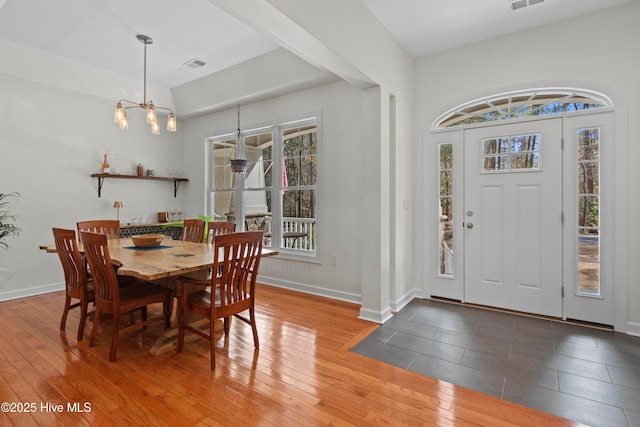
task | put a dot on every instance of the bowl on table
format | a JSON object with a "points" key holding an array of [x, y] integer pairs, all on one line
{"points": [[147, 240]]}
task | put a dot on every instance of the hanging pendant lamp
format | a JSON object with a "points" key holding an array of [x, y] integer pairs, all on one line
{"points": [[120, 116], [239, 164]]}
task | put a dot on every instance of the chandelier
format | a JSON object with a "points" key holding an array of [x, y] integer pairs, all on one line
{"points": [[120, 116]]}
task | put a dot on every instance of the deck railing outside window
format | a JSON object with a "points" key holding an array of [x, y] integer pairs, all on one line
{"points": [[302, 225]]}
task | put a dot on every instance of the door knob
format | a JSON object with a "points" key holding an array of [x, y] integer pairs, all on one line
{"points": [[469, 225]]}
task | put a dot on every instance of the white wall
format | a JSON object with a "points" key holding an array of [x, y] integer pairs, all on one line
{"points": [[339, 196], [51, 140], [597, 51], [344, 38]]}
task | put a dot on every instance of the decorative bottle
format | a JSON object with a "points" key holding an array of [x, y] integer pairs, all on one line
{"points": [[105, 165], [116, 166]]}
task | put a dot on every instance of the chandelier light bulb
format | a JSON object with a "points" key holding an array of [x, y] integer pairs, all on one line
{"points": [[152, 118], [124, 123], [119, 114], [171, 122]]}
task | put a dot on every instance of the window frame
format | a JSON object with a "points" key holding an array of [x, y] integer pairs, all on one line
{"points": [[277, 129], [511, 106]]}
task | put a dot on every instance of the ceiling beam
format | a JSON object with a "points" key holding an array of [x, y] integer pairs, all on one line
{"points": [[271, 22]]}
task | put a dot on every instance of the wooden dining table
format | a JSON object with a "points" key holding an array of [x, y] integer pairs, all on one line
{"points": [[162, 264], [171, 258]]}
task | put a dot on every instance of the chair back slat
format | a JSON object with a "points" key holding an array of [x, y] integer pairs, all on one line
{"points": [[217, 228], [96, 251], [108, 227], [193, 230], [238, 268], [75, 276]]}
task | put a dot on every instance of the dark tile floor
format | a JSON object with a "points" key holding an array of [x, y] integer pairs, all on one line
{"points": [[580, 373]]}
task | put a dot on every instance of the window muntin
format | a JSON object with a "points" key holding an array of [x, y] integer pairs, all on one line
{"points": [[511, 153], [588, 195], [522, 105], [283, 168], [445, 252]]}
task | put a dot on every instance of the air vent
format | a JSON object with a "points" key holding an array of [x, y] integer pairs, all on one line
{"points": [[518, 4], [195, 63]]}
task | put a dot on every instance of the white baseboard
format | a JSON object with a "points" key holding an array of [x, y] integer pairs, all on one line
{"points": [[29, 292], [308, 289], [633, 329], [369, 315], [375, 316], [400, 303]]}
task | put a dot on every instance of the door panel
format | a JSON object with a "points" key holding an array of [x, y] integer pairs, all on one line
{"points": [[492, 232], [513, 217], [528, 236]]}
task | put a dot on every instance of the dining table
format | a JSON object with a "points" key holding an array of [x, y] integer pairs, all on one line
{"points": [[162, 264], [169, 259]]}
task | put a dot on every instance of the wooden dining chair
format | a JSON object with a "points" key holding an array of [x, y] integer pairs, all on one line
{"points": [[78, 286], [229, 294], [193, 230], [216, 228], [115, 300], [109, 227]]}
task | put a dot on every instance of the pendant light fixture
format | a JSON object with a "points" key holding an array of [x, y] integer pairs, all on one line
{"points": [[120, 116], [239, 164]]}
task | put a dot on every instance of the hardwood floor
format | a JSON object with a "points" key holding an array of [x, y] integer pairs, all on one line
{"points": [[302, 375]]}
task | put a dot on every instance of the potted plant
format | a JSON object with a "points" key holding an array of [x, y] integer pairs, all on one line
{"points": [[8, 228]]}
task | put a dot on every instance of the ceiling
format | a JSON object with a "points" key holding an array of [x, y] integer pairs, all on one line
{"points": [[428, 26], [103, 32]]}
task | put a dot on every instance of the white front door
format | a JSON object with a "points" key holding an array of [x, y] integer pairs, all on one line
{"points": [[513, 217]]}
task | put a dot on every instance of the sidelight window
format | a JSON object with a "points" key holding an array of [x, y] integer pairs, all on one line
{"points": [[445, 259], [588, 192]]}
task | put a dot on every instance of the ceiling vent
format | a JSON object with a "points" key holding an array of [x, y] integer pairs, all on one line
{"points": [[519, 4], [195, 63]]}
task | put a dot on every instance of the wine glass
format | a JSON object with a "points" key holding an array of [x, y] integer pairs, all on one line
{"points": [[173, 214], [179, 213]]}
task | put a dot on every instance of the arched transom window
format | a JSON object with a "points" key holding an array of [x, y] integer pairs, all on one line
{"points": [[522, 104]]}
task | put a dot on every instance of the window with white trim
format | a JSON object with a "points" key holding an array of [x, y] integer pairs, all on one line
{"points": [[588, 194], [511, 153], [531, 103], [445, 210], [280, 188]]}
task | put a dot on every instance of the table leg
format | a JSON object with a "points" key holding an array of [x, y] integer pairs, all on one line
{"points": [[169, 339]]}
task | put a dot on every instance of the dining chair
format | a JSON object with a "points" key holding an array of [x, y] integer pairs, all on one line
{"points": [[78, 286], [116, 300], [226, 295], [110, 227], [193, 230], [216, 228]]}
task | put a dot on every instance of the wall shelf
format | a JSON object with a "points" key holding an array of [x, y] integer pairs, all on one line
{"points": [[101, 177]]}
